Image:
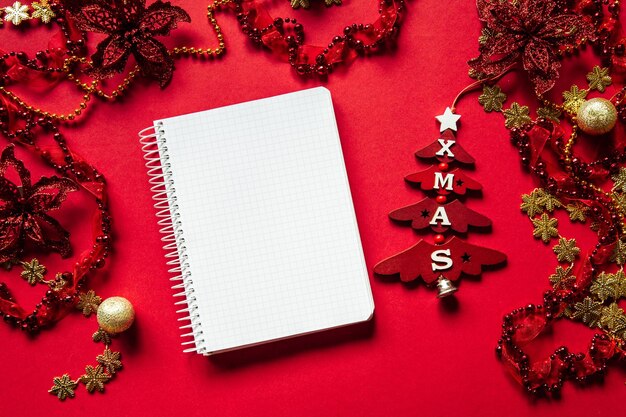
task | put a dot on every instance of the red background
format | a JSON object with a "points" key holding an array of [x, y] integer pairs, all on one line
{"points": [[419, 356]]}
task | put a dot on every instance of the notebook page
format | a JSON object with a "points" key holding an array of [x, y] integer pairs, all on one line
{"points": [[268, 221]]}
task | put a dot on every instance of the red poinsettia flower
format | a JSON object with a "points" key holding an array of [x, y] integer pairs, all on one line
{"points": [[23, 210], [531, 30], [131, 28]]}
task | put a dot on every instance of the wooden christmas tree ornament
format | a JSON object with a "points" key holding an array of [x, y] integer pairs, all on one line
{"points": [[449, 257]]}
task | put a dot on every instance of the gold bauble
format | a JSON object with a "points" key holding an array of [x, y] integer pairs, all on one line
{"points": [[597, 116], [115, 314]]}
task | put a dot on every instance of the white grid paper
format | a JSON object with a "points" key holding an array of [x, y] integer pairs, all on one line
{"points": [[268, 221]]}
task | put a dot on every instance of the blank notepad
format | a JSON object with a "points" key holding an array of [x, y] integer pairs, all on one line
{"points": [[264, 219]]}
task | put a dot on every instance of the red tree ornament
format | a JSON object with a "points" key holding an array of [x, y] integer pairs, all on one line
{"points": [[450, 257]]}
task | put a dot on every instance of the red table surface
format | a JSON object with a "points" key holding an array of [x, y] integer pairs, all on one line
{"points": [[419, 356]]}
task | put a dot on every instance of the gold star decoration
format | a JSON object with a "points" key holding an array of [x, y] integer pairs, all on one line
{"points": [[545, 228], [530, 203], [599, 79], [331, 2], [42, 11], [619, 253], [619, 180], [300, 3], [110, 361], [562, 279], [492, 98], [611, 316], [102, 336], [588, 311], [604, 286], [94, 378], [573, 99], [88, 302], [516, 116], [576, 212], [550, 113], [16, 13], [566, 250], [63, 387], [33, 271]]}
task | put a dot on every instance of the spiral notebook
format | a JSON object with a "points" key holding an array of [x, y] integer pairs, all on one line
{"points": [[258, 221]]}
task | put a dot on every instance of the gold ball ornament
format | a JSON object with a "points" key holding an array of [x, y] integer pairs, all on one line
{"points": [[115, 314], [596, 116]]}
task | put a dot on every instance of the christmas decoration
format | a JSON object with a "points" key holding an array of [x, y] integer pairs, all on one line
{"points": [[115, 315], [445, 261], [597, 116], [125, 37], [25, 210], [284, 37], [587, 283], [131, 28]]}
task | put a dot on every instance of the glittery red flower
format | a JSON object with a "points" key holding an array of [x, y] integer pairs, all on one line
{"points": [[24, 207], [131, 28], [532, 31]]}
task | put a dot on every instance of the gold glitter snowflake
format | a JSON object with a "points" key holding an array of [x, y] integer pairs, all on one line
{"points": [[545, 228], [42, 11], [611, 316], [562, 279], [604, 286], [530, 203], [550, 113], [110, 361], [599, 79], [63, 387], [576, 212], [88, 302], [94, 378], [621, 283], [492, 98], [573, 99], [588, 311], [516, 116], [33, 271], [566, 250]]}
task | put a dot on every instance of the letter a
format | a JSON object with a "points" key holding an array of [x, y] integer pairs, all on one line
{"points": [[440, 215]]}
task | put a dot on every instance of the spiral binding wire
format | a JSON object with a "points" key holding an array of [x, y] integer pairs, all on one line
{"points": [[159, 168]]}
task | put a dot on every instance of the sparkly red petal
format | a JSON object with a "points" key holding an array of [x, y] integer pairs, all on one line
{"points": [[154, 61], [160, 18], [94, 16]]}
